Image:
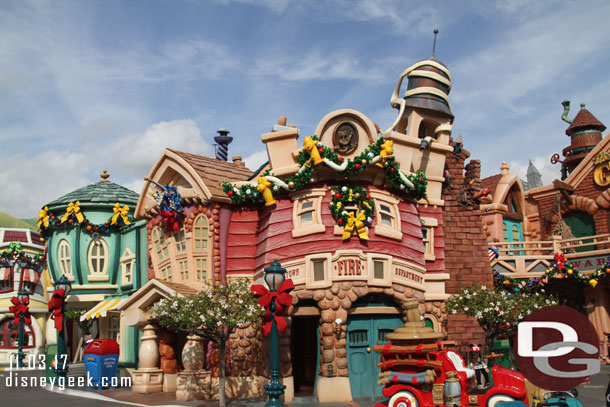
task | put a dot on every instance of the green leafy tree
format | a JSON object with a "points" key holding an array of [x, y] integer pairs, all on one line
{"points": [[496, 311], [75, 314], [212, 314]]}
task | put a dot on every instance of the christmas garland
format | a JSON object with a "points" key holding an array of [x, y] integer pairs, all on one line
{"points": [[314, 153], [47, 221], [14, 253], [560, 267]]}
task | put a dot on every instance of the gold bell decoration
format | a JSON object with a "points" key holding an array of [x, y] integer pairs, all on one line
{"points": [[264, 187], [387, 149], [73, 208], [355, 222], [311, 146], [43, 217], [120, 212]]}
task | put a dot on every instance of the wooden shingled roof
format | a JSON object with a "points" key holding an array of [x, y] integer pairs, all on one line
{"points": [[179, 288], [491, 182], [214, 172], [585, 120]]}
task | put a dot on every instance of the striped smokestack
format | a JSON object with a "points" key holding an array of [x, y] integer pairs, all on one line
{"points": [[223, 141]]}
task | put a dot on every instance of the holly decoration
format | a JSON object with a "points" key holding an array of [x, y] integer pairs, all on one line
{"points": [[560, 267], [412, 183], [350, 196], [15, 254], [71, 220]]}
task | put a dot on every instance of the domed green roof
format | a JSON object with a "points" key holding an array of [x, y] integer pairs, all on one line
{"points": [[101, 193]]}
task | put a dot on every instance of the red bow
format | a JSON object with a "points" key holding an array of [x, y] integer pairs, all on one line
{"points": [[55, 308], [20, 308], [171, 221], [282, 300]]}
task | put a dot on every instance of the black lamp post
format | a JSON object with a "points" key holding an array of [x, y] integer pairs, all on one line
{"points": [[22, 295], [274, 276], [61, 359]]}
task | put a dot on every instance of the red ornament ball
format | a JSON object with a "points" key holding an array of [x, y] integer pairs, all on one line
{"points": [[420, 179], [368, 196], [340, 221], [357, 166], [320, 150], [69, 220], [392, 170], [338, 195], [230, 193], [340, 159]]}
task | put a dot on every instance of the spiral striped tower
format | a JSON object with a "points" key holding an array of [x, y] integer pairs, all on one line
{"points": [[223, 140]]}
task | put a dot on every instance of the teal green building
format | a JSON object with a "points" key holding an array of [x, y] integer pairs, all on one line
{"points": [[93, 239]]}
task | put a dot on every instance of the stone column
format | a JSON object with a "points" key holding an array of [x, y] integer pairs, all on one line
{"points": [[148, 378]]}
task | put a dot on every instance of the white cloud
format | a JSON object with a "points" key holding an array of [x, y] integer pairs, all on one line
{"points": [[30, 182], [255, 160], [134, 155]]}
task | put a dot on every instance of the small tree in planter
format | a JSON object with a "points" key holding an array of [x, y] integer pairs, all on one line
{"points": [[496, 311], [212, 314]]}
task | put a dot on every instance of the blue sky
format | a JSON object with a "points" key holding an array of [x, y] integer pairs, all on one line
{"points": [[93, 85]]}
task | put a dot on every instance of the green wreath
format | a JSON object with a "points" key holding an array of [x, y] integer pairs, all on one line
{"points": [[349, 196]]}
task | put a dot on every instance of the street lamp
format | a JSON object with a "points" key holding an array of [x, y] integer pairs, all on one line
{"points": [[274, 277], [61, 367], [23, 297]]}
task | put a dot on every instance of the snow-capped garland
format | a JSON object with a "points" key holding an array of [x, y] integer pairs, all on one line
{"points": [[314, 153]]}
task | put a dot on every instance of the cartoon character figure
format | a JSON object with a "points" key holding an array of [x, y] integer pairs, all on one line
{"points": [[477, 362], [170, 204]]}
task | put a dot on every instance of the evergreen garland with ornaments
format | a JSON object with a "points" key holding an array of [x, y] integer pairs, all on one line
{"points": [[47, 221], [559, 268], [314, 153], [349, 196]]}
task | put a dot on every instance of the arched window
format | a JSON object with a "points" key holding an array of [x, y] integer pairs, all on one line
{"points": [[159, 243], [97, 257], [201, 237], [9, 335], [63, 258], [201, 233]]}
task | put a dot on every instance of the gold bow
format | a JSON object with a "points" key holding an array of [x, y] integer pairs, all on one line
{"points": [[358, 222], [387, 149], [73, 208], [122, 212], [43, 217]]}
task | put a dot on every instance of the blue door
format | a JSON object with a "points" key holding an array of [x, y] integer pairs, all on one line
{"points": [[513, 232], [362, 333]]}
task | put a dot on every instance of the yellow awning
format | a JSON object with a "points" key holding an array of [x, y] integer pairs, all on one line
{"points": [[102, 308]]}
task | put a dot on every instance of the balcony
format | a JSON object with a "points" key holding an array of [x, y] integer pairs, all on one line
{"points": [[526, 259]]}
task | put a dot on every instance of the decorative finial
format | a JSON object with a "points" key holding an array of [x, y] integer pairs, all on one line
{"points": [[104, 176], [582, 106], [434, 45]]}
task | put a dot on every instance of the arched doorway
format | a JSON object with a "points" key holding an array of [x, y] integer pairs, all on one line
{"points": [[582, 225], [364, 330]]}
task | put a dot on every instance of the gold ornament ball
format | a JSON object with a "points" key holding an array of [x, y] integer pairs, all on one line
{"points": [[311, 180], [291, 185], [386, 164], [357, 195], [364, 162]]}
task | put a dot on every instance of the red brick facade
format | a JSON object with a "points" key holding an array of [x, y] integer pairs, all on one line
{"points": [[466, 258]]}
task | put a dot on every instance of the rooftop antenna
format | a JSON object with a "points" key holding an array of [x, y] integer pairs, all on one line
{"points": [[434, 45]]}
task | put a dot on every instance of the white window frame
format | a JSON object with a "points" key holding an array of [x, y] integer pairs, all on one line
{"points": [[128, 260], [95, 275], [393, 231], [314, 195], [111, 330], [428, 224], [64, 260]]}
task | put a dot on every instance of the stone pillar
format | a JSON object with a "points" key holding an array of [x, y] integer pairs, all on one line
{"points": [[191, 383], [148, 378]]}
